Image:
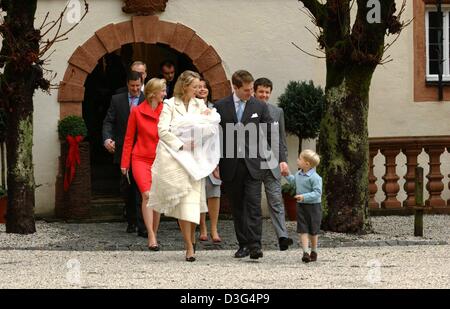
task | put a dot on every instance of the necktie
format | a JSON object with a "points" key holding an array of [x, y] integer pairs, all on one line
{"points": [[133, 101], [240, 111]]}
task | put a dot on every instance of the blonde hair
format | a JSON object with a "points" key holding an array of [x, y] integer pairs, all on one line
{"points": [[311, 157], [153, 86], [184, 80]]}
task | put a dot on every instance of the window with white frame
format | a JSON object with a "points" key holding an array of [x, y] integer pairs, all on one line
{"points": [[434, 34]]}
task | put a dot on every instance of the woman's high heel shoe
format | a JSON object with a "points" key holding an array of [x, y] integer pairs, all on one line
{"points": [[153, 248], [190, 259], [216, 240], [203, 238]]}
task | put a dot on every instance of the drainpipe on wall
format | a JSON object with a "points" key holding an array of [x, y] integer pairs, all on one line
{"points": [[440, 49]]}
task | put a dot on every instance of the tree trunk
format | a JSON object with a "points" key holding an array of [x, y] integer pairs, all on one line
{"points": [[300, 145], [2, 151], [20, 213], [352, 54], [344, 147], [20, 81]]}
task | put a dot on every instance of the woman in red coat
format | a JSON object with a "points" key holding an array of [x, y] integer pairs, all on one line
{"points": [[139, 149]]}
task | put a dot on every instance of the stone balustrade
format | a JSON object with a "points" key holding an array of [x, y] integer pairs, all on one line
{"points": [[411, 147]]}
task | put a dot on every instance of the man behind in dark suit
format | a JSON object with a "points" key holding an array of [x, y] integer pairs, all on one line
{"points": [[272, 178], [114, 129], [167, 71], [240, 167]]}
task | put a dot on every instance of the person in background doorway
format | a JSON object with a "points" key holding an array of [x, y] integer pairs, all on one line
{"points": [[167, 71], [212, 182], [114, 128]]}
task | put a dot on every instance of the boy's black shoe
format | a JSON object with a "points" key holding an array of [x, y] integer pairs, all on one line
{"points": [[313, 256], [285, 243], [306, 257]]}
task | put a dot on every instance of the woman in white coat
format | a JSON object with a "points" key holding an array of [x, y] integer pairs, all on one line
{"points": [[187, 200]]}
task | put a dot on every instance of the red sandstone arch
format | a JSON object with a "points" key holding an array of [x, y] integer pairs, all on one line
{"points": [[141, 29]]}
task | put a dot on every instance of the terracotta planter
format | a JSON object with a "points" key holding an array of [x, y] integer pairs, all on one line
{"points": [[290, 206], [3, 206], [75, 203], [225, 204]]}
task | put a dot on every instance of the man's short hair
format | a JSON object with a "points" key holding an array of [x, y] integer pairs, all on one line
{"points": [[138, 63], [166, 63], [241, 77], [133, 76], [264, 82]]}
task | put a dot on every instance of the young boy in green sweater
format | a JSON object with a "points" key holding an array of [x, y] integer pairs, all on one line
{"points": [[308, 186]]}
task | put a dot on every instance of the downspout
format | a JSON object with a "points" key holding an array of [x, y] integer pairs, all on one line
{"points": [[440, 49]]}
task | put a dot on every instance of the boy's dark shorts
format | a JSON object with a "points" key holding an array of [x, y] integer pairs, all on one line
{"points": [[309, 218]]}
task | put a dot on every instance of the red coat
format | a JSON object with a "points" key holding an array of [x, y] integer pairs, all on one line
{"points": [[144, 120]]}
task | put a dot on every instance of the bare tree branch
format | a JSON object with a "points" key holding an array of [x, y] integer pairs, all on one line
{"points": [[317, 10], [309, 54], [58, 36]]}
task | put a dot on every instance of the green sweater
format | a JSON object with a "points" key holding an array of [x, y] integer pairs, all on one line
{"points": [[307, 184]]}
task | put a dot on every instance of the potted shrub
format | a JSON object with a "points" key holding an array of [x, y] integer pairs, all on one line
{"points": [[303, 105], [73, 191], [290, 203]]}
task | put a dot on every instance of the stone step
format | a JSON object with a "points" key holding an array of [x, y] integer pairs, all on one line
{"points": [[107, 208]]}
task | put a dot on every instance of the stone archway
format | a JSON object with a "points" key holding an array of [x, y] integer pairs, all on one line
{"points": [[140, 29]]}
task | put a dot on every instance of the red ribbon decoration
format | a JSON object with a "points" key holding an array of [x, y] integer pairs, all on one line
{"points": [[73, 158]]}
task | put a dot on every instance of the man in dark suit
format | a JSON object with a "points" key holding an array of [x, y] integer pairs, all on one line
{"points": [[242, 121], [272, 177], [137, 66], [114, 129], [167, 71]]}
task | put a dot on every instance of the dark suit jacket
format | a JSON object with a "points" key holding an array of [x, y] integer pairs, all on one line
{"points": [[255, 112], [115, 122], [277, 115], [170, 86]]}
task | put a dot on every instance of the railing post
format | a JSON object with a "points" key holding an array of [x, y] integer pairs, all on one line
{"points": [[411, 153], [418, 209], [435, 186], [372, 180], [448, 201], [390, 185]]}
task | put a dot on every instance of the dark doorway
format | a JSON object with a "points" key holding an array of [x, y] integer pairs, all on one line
{"points": [[100, 85]]}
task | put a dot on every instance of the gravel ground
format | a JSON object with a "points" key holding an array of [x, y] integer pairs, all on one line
{"points": [[63, 255], [388, 231], [383, 267]]}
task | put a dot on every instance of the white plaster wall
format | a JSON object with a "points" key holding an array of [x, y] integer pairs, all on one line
{"points": [[255, 35], [46, 145], [393, 111]]}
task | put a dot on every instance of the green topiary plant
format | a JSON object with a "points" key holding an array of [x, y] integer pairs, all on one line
{"points": [[71, 125], [303, 105], [288, 189]]}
